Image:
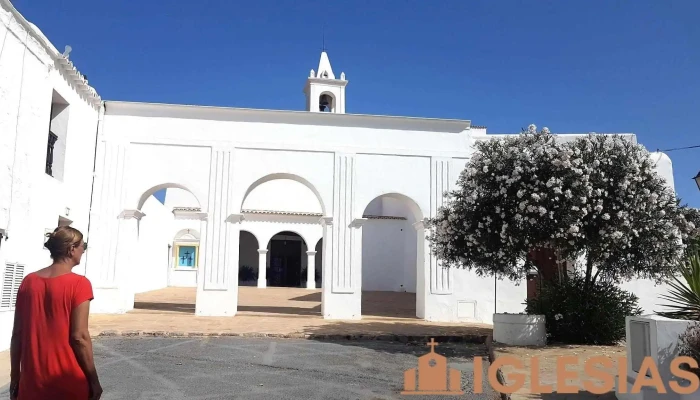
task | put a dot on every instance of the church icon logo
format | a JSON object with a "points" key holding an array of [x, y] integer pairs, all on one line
{"points": [[433, 376]]}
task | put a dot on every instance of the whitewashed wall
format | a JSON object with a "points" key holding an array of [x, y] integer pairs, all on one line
{"points": [[389, 256], [295, 164], [31, 202], [389, 246]]}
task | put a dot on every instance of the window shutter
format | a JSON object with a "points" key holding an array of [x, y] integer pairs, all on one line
{"points": [[19, 275], [11, 280], [7, 284]]}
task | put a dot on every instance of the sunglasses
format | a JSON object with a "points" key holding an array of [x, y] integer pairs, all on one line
{"points": [[85, 245]]}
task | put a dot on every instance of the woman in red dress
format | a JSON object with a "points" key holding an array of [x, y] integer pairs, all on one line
{"points": [[51, 350]]}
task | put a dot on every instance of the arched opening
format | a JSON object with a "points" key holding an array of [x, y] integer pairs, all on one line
{"points": [[284, 210], [287, 259], [173, 191], [167, 250], [326, 102], [248, 259], [281, 276], [390, 256], [272, 191]]}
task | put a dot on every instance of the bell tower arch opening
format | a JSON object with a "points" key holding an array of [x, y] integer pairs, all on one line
{"points": [[326, 103]]}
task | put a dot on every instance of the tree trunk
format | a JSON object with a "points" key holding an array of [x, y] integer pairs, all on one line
{"points": [[589, 271]]}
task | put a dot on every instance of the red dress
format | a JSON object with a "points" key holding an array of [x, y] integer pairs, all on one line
{"points": [[48, 366]]}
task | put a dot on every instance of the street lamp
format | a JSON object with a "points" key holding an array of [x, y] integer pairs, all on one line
{"points": [[697, 179]]}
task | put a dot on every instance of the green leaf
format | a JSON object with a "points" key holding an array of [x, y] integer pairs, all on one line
{"points": [[684, 295]]}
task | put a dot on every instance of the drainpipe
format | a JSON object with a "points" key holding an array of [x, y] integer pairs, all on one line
{"points": [[100, 117]]}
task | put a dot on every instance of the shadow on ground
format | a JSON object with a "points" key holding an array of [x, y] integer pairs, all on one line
{"points": [[281, 310], [312, 297], [183, 308], [415, 337], [374, 304]]}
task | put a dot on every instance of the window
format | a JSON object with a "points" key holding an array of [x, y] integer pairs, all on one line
{"points": [[11, 279], [58, 135], [186, 256]]}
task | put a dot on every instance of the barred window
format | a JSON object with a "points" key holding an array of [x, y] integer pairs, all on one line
{"points": [[49, 153]]}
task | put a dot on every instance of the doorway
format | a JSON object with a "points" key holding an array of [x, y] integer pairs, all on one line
{"points": [[285, 260]]}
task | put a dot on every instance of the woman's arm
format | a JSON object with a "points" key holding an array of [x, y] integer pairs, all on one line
{"points": [[81, 342]]}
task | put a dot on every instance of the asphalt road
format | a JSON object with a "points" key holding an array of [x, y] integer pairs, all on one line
{"points": [[247, 368]]}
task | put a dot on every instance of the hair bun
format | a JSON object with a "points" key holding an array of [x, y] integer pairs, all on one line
{"points": [[50, 237]]}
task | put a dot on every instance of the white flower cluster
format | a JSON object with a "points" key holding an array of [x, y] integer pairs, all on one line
{"points": [[598, 195]]}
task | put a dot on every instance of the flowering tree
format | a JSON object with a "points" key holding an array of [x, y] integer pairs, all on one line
{"points": [[597, 197], [692, 225]]}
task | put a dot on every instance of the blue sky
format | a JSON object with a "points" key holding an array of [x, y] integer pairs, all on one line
{"points": [[574, 66]]}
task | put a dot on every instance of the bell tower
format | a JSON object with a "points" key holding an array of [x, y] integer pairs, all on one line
{"points": [[325, 93]]}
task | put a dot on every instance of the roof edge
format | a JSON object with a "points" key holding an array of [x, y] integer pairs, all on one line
{"points": [[62, 63], [187, 111]]}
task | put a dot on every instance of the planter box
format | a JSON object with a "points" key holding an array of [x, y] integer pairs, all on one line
{"points": [[519, 329]]}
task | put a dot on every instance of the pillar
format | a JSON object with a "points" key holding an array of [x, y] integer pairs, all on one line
{"points": [[217, 280], [434, 295], [440, 278], [262, 268], [423, 271], [311, 270], [109, 224], [342, 251], [124, 268], [327, 266]]}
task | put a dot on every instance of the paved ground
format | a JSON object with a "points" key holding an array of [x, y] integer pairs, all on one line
{"points": [[247, 368], [277, 311], [547, 367]]}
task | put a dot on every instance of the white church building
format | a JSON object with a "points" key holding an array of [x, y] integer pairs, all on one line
{"points": [[217, 198]]}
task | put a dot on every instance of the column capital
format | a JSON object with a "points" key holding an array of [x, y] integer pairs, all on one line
{"points": [[190, 214], [357, 222], [326, 221], [235, 218], [310, 253], [129, 214], [422, 224], [262, 251]]}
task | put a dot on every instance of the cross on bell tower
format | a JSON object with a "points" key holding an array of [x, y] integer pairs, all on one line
{"points": [[325, 93]]}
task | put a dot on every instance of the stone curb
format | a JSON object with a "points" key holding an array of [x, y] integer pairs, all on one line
{"points": [[492, 359], [476, 339]]}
